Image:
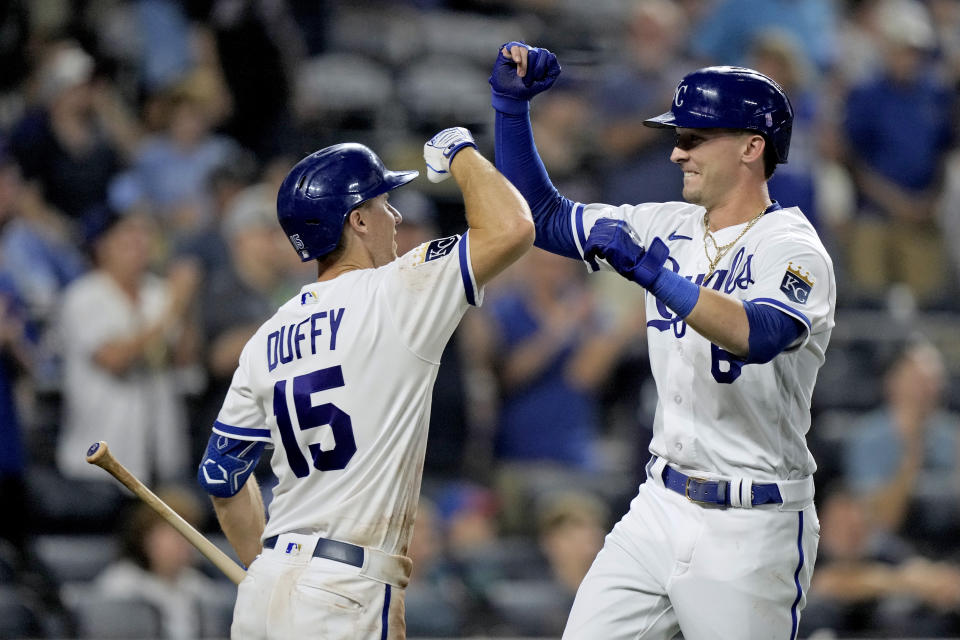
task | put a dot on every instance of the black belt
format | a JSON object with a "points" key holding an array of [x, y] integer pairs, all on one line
{"points": [[326, 548], [716, 491]]}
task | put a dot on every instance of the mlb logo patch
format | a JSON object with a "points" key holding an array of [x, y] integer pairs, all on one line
{"points": [[797, 284], [308, 298], [293, 548]]}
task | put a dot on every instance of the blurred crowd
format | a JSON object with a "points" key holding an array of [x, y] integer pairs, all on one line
{"points": [[141, 146]]}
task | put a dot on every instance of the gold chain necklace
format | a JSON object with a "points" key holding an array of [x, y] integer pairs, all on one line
{"points": [[719, 251]]}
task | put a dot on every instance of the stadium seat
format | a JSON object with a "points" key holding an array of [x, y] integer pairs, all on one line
{"points": [[75, 558], [107, 618], [344, 88], [17, 617], [443, 89], [534, 608]]}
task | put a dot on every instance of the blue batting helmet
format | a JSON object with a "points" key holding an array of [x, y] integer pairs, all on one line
{"points": [[731, 98], [323, 188]]}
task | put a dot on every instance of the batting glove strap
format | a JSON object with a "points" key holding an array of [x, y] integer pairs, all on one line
{"points": [[649, 266], [438, 152]]}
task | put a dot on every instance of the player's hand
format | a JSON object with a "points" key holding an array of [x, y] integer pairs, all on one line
{"points": [[439, 150], [519, 73], [615, 242]]}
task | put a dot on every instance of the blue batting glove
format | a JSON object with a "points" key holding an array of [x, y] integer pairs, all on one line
{"points": [[439, 150], [510, 92], [615, 242]]}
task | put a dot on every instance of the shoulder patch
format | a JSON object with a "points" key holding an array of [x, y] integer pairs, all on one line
{"points": [[797, 284], [435, 249]]}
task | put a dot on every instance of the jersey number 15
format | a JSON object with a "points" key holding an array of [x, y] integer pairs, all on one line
{"points": [[311, 417]]}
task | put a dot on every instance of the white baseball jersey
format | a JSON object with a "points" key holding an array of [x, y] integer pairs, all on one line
{"points": [[716, 414], [340, 381]]}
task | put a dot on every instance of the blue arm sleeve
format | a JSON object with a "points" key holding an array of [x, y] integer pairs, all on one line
{"points": [[227, 464], [771, 331], [517, 158]]}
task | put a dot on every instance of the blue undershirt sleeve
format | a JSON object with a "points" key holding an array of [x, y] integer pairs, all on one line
{"points": [[517, 158], [771, 331]]}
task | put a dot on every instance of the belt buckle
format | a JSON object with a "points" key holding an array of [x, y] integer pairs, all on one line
{"points": [[686, 489]]}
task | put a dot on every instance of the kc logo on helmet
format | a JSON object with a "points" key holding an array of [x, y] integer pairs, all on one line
{"points": [[678, 98]]}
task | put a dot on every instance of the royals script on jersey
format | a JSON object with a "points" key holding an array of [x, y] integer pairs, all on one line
{"points": [[340, 381], [716, 414]]}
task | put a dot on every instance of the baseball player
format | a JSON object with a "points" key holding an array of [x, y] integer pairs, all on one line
{"points": [[721, 539], [339, 383]]}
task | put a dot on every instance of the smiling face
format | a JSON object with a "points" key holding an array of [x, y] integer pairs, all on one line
{"points": [[710, 159]]}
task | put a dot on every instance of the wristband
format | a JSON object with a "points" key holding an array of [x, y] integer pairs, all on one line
{"points": [[678, 293], [509, 105]]}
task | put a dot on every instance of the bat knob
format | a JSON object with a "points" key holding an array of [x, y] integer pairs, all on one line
{"points": [[97, 451]]}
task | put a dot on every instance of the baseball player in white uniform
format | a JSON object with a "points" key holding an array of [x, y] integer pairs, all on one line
{"points": [[339, 383], [721, 539]]}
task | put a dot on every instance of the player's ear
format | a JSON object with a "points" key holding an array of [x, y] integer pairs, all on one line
{"points": [[356, 222], [753, 148]]}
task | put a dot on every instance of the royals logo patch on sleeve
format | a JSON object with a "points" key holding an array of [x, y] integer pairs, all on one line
{"points": [[436, 249], [797, 284]]}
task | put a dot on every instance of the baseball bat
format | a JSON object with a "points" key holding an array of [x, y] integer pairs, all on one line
{"points": [[99, 454]]}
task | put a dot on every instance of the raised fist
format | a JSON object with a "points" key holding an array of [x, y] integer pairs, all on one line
{"points": [[519, 73], [439, 150]]}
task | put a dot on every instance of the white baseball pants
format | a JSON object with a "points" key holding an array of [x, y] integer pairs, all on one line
{"points": [[288, 596], [672, 565]]}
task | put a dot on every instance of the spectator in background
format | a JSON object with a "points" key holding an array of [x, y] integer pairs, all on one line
{"points": [[946, 20], [16, 360], [870, 583], [241, 295], [468, 513], [726, 29], [632, 163], [948, 210], [778, 54], [565, 126], [468, 516], [899, 129], [121, 331], [260, 44], [903, 456], [551, 350], [14, 53], [571, 527], [207, 245], [437, 600], [172, 168], [76, 136], [158, 565], [37, 250]]}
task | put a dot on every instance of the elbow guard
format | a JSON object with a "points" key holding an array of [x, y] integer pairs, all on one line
{"points": [[771, 331], [227, 464]]}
